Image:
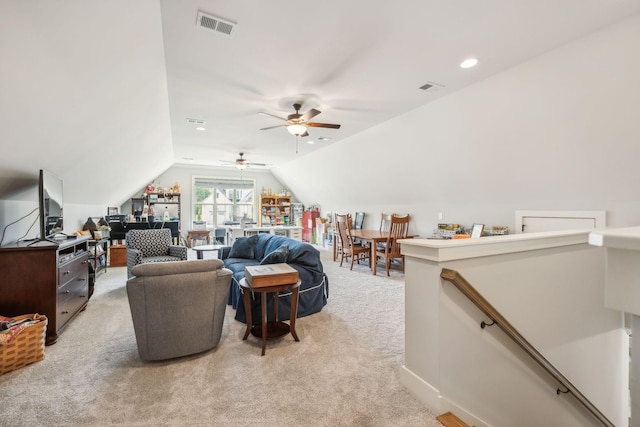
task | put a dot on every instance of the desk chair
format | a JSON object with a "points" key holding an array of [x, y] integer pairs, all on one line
{"points": [[220, 236], [398, 229], [348, 247]]}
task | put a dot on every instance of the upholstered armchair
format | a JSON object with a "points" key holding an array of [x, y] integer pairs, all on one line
{"points": [[155, 245], [178, 308]]}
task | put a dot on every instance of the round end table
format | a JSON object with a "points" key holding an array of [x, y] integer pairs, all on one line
{"points": [[275, 328]]}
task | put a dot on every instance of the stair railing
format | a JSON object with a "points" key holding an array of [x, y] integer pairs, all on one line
{"points": [[497, 319]]}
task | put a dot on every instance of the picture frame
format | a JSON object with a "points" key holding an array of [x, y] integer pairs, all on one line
{"points": [[112, 211], [476, 230]]}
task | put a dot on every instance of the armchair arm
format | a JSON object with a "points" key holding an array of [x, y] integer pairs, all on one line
{"points": [[178, 251], [134, 257]]}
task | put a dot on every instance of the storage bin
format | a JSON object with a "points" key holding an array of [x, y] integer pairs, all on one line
{"points": [[27, 347], [118, 256]]}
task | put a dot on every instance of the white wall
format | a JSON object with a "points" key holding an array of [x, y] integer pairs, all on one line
{"points": [[552, 292], [559, 132], [183, 175], [28, 227]]}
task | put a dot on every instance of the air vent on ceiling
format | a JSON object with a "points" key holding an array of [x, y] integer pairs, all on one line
{"points": [[213, 23], [196, 121], [431, 86]]}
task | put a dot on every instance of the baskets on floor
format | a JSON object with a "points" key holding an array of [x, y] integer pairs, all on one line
{"points": [[27, 347]]}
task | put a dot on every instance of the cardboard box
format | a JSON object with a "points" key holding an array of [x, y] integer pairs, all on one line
{"points": [[270, 274], [118, 256]]}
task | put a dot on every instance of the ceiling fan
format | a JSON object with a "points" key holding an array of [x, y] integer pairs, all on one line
{"points": [[242, 163], [297, 123]]}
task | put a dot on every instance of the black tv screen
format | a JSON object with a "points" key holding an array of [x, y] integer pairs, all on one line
{"points": [[50, 195]]}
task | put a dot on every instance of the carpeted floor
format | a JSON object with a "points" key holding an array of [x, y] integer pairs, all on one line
{"points": [[343, 372]]}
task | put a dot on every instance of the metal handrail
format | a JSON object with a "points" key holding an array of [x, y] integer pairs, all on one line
{"points": [[474, 296]]}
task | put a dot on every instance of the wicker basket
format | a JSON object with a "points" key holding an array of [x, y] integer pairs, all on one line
{"points": [[27, 347]]}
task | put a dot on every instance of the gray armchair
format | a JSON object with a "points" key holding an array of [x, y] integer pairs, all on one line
{"points": [[178, 308], [155, 245]]}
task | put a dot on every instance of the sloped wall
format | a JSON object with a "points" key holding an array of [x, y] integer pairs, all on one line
{"points": [[559, 132]]}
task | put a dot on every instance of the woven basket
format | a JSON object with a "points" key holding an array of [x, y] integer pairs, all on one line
{"points": [[27, 347]]}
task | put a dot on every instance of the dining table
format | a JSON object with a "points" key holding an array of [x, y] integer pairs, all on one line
{"points": [[372, 237]]}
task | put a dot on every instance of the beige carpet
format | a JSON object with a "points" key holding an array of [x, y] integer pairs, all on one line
{"points": [[343, 372]]}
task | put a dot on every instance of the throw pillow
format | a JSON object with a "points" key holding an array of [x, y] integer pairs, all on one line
{"points": [[244, 247], [278, 256]]}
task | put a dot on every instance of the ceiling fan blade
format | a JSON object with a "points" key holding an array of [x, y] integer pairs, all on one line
{"points": [[272, 115], [272, 127], [309, 115], [257, 164], [322, 125]]}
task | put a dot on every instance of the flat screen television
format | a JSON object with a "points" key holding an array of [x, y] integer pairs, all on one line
{"points": [[50, 200]]}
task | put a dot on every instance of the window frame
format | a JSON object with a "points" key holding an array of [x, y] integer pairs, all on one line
{"points": [[226, 183]]}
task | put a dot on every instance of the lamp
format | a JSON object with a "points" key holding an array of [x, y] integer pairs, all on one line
{"points": [[242, 165], [296, 129]]}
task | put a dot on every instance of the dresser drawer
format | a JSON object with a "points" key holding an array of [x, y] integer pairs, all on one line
{"points": [[71, 298], [72, 270]]}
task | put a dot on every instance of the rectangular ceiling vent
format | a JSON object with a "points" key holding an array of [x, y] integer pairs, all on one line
{"points": [[196, 121], [213, 23], [431, 87]]}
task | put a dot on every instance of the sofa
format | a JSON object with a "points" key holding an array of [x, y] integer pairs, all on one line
{"points": [[271, 249], [178, 307]]}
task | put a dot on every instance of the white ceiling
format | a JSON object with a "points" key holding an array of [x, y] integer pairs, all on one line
{"points": [[107, 83], [359, 64]]}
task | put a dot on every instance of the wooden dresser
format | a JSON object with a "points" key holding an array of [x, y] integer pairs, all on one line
{"points": [[50, 278]]}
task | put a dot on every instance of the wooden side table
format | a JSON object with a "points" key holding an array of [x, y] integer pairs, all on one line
{"points": [[270, 329]]}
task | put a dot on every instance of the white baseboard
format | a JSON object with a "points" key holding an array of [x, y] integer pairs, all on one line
{"points": [[431, 397]]}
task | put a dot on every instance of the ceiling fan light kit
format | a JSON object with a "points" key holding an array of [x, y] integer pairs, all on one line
{"points": [[297, 123], [296, 129]]}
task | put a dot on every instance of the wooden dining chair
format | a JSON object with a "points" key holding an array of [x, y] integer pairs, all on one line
{"points": [[350, 249], [398, 229]]}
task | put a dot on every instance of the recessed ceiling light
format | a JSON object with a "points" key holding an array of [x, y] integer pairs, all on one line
{"points": [[311, 141], [469, 63], [201, 128]]}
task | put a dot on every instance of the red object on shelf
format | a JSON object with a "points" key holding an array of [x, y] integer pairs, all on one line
{"points": [[308, 224]]}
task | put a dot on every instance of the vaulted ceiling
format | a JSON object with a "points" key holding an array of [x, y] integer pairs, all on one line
{"points": [[105, 94]]}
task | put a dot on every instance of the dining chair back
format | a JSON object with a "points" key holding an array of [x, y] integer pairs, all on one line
{"points": [[398, 229], [385, 222], [348, 248], [358, 221]]}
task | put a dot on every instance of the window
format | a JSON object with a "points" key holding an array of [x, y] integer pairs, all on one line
{"points": [[217, 200]]}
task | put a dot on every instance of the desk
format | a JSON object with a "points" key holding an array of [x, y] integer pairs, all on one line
{"points": [[202, 248], [274, 329], [198, 235], [373, 237], [291, 231]]}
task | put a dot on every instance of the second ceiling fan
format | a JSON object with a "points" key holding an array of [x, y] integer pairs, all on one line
{"points": [[297, 123], [242, 163]]}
